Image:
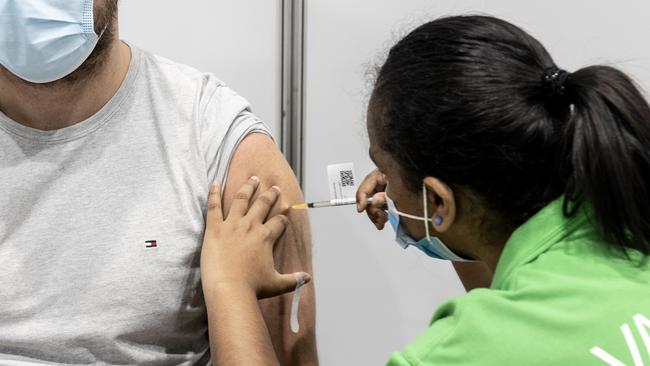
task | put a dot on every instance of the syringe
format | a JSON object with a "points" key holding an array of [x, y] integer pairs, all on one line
{"points": [[330, 203]]}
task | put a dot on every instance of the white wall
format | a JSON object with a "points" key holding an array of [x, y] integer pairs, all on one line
{"points": [[239, 41], [373, 297]]}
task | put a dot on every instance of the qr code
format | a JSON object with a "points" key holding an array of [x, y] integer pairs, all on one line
{"points": [[347, 178]]}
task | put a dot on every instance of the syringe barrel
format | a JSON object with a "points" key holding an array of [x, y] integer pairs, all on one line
{"points": [[335, 202]]}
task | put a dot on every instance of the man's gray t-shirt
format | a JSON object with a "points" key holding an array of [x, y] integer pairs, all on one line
{"points": [[102, 222]]}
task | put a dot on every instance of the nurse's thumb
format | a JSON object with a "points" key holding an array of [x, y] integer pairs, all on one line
{"points": [[289, 282]]}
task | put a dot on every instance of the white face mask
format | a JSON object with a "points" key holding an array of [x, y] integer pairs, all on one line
{"points": [[430, 245], [45, 40]]}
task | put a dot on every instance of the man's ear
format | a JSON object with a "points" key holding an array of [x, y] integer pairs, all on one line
{"points": [[441, 202]]}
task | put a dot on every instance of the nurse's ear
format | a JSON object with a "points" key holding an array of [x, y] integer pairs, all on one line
{"points": [[441, 202]]}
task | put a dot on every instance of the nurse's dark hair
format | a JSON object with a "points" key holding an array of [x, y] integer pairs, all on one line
{"points": [[464, 99]]}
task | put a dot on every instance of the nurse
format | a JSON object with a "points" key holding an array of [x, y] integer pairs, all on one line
{"points": [[486, 151]]}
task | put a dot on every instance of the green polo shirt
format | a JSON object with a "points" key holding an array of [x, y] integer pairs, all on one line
{"points": [[559, 297]]}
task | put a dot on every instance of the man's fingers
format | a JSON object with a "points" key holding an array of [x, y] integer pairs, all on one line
{"points": [[215, 212], [263, 204], [243, 197], [276, 226]]}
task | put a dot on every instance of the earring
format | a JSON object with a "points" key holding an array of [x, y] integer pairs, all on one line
{"points": [[437, 220]]}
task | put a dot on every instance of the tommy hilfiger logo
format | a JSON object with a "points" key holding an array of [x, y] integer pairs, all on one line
{"points": [[151, 244]]}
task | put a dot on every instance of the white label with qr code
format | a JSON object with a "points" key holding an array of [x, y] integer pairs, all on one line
{"points": [[341, 181]]}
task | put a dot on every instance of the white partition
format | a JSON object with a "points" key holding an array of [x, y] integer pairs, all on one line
{"points": [[373, 297], [239, 41]]}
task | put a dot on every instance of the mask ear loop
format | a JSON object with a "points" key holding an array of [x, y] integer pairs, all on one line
{"points": [[391, 207], [426, 212]]}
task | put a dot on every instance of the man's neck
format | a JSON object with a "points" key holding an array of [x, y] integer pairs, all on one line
{"points": [[46, 108]]}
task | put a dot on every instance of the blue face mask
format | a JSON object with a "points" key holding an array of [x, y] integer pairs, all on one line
{"points": [[45, 40], [430, 245]]}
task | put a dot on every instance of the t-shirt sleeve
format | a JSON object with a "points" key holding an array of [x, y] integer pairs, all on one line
{"points": [[225, 120]]}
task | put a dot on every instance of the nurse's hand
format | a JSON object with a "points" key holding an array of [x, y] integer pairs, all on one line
{"points": [[373, 186], [237, 251]]}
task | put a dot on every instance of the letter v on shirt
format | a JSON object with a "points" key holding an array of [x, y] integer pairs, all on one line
{"points": [[642, 326]]}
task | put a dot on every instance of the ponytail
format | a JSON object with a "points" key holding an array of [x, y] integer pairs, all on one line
{"points": [[607, 153]]}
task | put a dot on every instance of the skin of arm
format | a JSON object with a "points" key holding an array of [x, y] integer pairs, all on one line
{"points": [[257, 155]]}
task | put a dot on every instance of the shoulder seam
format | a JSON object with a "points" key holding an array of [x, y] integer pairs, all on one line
{"points": [[435, 346]]}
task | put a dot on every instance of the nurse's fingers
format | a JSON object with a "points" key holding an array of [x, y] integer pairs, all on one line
{"points": [[275, 228], [215, 212], [378, 205], [376, 211], [378, 218], [374, 182], [366, 189], [243, 197], [263, 205], [378, 202]]}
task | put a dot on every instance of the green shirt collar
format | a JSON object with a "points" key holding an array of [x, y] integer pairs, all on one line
{"points": [[547, 227]]}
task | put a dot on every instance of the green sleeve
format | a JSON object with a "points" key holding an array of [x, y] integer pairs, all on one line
{"points": [[442, 325], [460, 334], [398, 359]]}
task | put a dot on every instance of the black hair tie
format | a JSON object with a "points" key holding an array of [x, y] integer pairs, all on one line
{"points": [[554, 79]]}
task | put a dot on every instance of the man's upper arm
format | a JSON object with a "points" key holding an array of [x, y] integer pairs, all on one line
{"points": [[257, 155]]}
